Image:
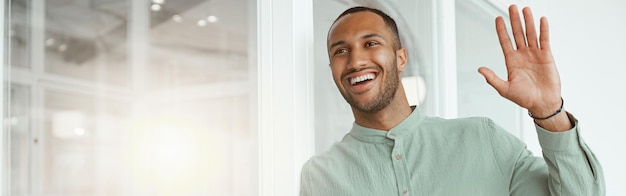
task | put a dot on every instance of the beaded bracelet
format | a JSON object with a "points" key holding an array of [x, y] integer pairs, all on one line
{"points": [[555, 113]]}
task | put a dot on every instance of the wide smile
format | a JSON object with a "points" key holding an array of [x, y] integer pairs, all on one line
{"points": [[362, 81]]}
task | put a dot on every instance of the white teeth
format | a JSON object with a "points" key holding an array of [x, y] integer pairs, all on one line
{"points": [[369, 76]]}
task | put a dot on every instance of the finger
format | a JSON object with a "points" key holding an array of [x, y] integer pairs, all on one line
{"points": [[493, 80], [531, 33], [503, 36], [516, 26], [544, 36]]}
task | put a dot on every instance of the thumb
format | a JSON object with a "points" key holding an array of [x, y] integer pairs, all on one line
{"points": [[493, 80]]}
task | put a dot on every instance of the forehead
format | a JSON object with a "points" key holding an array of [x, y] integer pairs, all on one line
{"points": [[354, 25]]}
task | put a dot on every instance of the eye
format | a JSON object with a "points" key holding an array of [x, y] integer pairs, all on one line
{"points": [[371, 43], [341, 51]]}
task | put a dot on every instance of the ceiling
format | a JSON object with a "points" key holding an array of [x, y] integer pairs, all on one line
{"points": [[83, 38]]}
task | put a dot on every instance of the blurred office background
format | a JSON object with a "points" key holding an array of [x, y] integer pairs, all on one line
{"points": [[230, 97], [116, 97]]}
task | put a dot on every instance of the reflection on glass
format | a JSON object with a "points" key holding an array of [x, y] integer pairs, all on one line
{"points": [[19, 33], [82, 128], [87, 40], [80, 144], [19, 126], [198, 42]]}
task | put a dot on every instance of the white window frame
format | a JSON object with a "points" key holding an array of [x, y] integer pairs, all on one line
{"points": [[285, 93], [4, 164]]}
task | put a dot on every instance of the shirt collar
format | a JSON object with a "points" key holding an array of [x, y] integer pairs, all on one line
{"points": [[378, 136]]}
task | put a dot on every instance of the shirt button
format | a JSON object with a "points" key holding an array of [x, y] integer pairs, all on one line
{"points": [[398, 157], [405, 192]]}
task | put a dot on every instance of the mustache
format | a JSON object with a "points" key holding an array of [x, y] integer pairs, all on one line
{"points": [[354, 70]]}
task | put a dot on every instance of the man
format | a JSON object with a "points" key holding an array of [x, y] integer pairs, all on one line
{"points": [[393, 149]]}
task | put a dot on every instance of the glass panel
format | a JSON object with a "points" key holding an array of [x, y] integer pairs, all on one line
{"points": [[87, 40], [198, 42], [20, 145], [193, 147], [475, 27], [19, 32], [81, 148], [81, 128]]}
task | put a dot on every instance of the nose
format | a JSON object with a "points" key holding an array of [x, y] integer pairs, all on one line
{"points": [[358, 59]]}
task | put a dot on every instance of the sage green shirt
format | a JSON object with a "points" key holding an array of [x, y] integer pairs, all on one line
{"points": [[470, 156]]}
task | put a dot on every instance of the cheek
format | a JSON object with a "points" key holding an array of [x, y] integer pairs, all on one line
{"points": [[382, 57], [335, 72]]}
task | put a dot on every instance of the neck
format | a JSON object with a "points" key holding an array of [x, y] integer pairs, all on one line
{"points": [[388, 117]]}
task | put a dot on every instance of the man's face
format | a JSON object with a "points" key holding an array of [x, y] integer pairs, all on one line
{"points": [[363, 61]]}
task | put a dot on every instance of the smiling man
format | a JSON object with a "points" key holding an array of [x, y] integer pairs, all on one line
{"points": [[393, 149]]}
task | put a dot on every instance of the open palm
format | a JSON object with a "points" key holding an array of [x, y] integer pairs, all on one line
{"points": [[533, 81]]}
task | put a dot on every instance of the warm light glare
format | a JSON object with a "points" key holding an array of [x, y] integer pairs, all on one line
{"points": [[67, 124], [50, 42], [201, 23], [415, 89], [155, 7], [173, 155], [79, 131], [177, 18], [158, 1], [212, 19]]}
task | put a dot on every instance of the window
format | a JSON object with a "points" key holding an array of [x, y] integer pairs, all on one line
{"points": [[132, 97]]}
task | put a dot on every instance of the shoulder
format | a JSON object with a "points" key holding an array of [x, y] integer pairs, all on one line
{"points": [[333, 157], [473, 131], [478, 136], [470, 125], [328, 170]]}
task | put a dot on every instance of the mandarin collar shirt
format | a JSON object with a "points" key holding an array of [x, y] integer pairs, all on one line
{"points": [[470, 156]]}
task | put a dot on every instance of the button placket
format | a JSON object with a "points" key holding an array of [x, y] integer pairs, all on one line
{"points": [[399, 167]]}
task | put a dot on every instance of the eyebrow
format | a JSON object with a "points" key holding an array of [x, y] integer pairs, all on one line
{"points": [[372, 35], [362, 37]]}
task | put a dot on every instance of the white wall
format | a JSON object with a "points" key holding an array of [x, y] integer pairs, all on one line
{"points": [[588, 39]]}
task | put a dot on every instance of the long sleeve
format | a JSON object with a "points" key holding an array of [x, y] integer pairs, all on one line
{"points": [[572, 169]]}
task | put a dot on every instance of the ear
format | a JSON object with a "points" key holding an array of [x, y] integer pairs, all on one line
{"points": [[401, 59]]}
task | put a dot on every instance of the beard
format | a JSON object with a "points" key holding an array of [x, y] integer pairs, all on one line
{"points": [[383, 99]]}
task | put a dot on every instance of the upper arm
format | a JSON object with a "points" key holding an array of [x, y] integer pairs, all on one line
{"points": [[527, 174]]}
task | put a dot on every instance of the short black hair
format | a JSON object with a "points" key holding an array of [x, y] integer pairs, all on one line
{"points": [[391, 24]]}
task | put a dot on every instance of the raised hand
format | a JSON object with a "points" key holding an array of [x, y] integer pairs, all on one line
{"points": [[533, 80]]}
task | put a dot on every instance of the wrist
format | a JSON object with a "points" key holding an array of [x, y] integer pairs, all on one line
{"points": [[544, 109], [555, 120], [557, 123], [544, 113]]}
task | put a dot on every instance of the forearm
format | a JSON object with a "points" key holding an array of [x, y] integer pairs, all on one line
{"points": [[573, 168]]}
